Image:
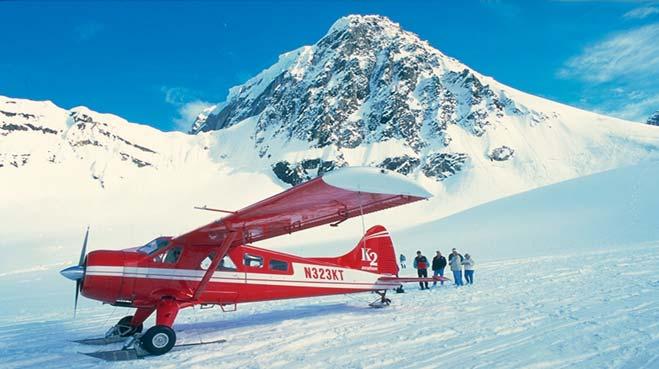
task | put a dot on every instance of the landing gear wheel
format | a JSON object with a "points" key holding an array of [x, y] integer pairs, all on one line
{"points": [[158, 340], [125, 329]]}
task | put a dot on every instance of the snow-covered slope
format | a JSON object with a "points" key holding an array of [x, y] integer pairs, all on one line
{"points": [[63, 169], [604, 210], [589, 302]]}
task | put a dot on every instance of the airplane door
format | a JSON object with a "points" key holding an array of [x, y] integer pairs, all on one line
{"points": [[127, 290], [226, 281]]}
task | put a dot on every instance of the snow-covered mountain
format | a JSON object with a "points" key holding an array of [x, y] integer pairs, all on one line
{"points": [[371, 93], [37, 132], [367, 93]]}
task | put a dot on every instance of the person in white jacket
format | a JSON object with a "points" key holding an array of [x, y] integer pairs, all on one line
{"points": [[455, 262], [468, 264]]}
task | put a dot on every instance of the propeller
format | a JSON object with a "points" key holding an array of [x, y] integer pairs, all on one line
{"points": [[77, 272]]}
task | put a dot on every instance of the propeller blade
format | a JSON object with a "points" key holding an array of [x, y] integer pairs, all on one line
{"points": [[75, 304], [83, 252]]}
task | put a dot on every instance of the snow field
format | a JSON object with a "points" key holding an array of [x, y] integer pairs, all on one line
{"points": [[595, 309]]}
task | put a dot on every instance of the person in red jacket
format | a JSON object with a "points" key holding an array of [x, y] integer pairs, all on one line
{"points": [[421, 265]]}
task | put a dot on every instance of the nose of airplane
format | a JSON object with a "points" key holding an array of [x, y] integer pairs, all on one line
{"points": [[74, 273]]}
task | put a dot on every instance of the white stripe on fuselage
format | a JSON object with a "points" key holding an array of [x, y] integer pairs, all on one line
{"points": [[332, 276]]}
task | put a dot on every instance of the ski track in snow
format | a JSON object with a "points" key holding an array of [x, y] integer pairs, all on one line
{"points": [[585, 310]]}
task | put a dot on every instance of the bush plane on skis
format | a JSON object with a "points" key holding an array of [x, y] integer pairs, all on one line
{"points": [[217, 265]]}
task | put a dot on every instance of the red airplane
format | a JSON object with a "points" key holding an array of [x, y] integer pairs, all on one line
{"points": [[217, 265]]}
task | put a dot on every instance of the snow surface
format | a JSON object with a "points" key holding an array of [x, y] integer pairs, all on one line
{"points": [[572, 310], [374, 180], [538, 302]]}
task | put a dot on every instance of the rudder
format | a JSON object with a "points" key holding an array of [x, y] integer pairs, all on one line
{"points": [[374, 253]]}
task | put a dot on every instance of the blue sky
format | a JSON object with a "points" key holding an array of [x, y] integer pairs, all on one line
{"points": [[158, 63]]}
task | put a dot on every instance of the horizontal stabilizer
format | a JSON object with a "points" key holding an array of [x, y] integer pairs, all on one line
{"points": [[414, 279]]}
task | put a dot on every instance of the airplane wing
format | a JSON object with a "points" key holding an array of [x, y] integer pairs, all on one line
{"points": [[332, 198]]}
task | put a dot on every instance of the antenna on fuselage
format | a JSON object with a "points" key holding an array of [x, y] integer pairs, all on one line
{"points": [[216, 210], [361, 211]]}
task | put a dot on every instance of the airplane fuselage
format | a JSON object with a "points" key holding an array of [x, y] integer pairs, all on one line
{"points": [[247, 274]]}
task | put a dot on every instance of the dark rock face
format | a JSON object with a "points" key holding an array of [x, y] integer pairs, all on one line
{"points": [[501, 153], [6, 128], [85, 122], [305, 170], [402, 164], [653, 120], [444, 165], [15, 160]]}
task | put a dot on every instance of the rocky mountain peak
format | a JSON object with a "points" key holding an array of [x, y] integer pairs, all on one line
{"points": [[373, 21], [361, 29]]}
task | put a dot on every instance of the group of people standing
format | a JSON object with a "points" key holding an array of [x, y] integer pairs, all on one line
{"points": [[455, 261]]}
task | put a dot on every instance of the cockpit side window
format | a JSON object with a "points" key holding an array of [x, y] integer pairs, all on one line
{"points": [[154, 246], [170, 257]]}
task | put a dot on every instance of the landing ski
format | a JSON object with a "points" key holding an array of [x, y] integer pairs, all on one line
{"points": [[101, 340], [135, 354]]}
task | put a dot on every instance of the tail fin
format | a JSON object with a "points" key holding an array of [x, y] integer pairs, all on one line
{"points": [[374, 253]]}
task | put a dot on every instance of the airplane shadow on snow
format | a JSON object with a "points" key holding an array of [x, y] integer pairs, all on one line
{"points": [[269, 317]]}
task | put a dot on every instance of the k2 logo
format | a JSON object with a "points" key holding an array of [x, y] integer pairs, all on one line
{"points": [[370, 256]]}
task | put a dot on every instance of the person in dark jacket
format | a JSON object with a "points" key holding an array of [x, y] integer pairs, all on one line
{"points": [[438, 265], [421, 265]]}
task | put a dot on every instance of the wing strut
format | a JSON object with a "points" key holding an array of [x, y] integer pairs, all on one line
{"points": [[220, 252]]}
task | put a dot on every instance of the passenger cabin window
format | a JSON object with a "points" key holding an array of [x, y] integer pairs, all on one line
{"points": [[225, 264], [170, 257], [278, 265], [254, 261]]}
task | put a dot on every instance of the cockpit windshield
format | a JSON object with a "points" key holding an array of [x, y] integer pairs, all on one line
{"points": [[154, 245]]}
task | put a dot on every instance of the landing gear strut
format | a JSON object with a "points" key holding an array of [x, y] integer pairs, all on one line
{"points": [[160, 338], [383, 301]]}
